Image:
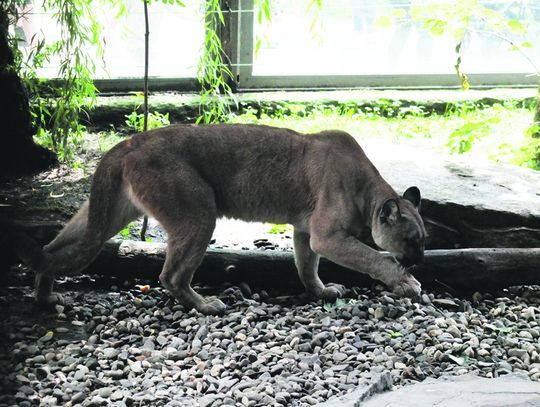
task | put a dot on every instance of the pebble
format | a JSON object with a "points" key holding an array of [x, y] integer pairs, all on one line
{"points": [[274, 349], [105, 392], [379, 313], [110, 353], [117, 395]]}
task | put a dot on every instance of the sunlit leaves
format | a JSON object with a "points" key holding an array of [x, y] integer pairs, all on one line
{"points": [[263, 10], [516, 26], [384, 21]]}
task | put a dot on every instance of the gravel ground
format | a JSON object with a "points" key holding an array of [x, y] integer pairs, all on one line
{"points": [[113, 343]]}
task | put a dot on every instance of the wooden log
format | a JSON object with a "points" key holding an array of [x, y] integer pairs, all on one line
{"points": [[463, 269]]}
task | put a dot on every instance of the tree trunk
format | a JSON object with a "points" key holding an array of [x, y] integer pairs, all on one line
{"points": [[19, 153]]}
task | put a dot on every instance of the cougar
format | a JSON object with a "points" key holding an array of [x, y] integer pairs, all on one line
{"points": [[187, 176]]}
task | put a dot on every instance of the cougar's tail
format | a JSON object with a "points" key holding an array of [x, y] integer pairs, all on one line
{"points": [[107, 197], [106, 212]]}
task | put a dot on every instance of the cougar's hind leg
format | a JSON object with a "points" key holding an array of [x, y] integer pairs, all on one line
{"points": [[184, 204], [307, 263], [185, 252], [78, 244]]}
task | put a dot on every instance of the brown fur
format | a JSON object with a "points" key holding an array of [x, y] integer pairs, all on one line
{"points": [[187, 176]]}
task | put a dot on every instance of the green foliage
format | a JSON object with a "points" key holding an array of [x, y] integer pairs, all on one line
{"points": [[338, 304], [213, 74], [475, 125], [156, 120], [125, 233], [108, 140], [263, 11], [135, 120], [316, 27], [277, 229], [129, 232]]}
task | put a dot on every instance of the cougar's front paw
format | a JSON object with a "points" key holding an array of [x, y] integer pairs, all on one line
{"points": [[211, 306], [407, 286], [332, 292]]}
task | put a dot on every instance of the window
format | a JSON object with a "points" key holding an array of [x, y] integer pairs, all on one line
{"points": [[341, 45], [176, 37], [345, 38]]}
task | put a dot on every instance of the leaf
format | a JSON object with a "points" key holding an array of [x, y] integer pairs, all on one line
{"points": [[384, 22], [257, 46], [516, 26], [438, 27], [465, 82], [399, 13], [526, 44]]}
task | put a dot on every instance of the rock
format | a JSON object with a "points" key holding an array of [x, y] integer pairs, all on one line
{"points": [[446, 303], [136, 367], [81, 373], [110, 353], [468, 390], [47, 337], [117, 395], [519, 353], [39, 359], [78, 397], [378, 313], [339, 357], [105, 392], [161, 340], [378, 383]]}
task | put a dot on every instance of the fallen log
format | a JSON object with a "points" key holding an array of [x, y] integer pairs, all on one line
{"points": [[463, 269]]}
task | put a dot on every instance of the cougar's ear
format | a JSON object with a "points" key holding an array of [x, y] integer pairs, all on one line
{"points": [[412, 194], [390, 212]]}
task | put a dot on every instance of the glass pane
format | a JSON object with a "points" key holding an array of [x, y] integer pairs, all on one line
{"points": [[347, 37], [176, 37]]}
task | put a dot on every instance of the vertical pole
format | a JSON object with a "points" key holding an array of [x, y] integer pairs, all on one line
{"points": [[245, 42], [146, 48], [145, 122]]}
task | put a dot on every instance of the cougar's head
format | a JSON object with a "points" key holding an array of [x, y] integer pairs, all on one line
{"points": [[398, 228]]}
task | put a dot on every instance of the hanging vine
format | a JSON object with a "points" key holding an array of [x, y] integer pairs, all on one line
{"points": [[213, 73]]}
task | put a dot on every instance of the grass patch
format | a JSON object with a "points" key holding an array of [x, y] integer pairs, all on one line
{"points": [[277, 229]]}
